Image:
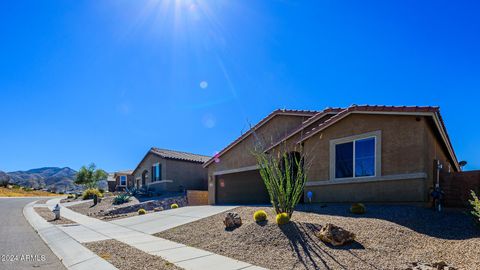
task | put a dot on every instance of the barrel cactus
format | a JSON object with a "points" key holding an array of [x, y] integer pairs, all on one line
{"points": [[260, 216], [358, 208], [282, 219]]}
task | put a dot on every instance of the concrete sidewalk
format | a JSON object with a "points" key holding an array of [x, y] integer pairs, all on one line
{"points": [[181, 255], [164, 220], [72, 254]]}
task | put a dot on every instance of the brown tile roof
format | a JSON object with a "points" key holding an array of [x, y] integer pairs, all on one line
{"points": [[258, 125], [171, 154], [369, 108], [124, 172]]}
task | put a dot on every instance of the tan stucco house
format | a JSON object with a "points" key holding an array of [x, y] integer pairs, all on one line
{"points": [[357, 154], [165, 170]]}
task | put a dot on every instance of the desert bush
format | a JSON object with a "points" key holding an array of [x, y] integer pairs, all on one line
{"points": [[70, 196], [358, 208], [475, 202], [174, 205], [260, 216], [142, 211], [90, 193], [101, 190], [27, 189], [282, 218], [121, 198]]}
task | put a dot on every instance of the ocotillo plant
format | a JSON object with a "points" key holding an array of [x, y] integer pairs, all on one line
{"points": [[284, 175]]}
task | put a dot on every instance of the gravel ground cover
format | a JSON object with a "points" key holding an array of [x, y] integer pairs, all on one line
{"points": [[106, 210], [101, 209], [387, 237], [125, 257], [47, 214]]}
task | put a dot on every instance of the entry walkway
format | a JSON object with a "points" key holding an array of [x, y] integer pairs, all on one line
{"points": [[130, 233]]}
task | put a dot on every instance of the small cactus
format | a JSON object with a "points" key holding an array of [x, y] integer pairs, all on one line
{"points": [[174, 205], [142, 211], [358, 208], [260, 216], [282, 219]]}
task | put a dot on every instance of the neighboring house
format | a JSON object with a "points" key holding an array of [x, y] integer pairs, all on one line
{"points": [[171, 171], [357, 154], [111, 183], [123, 180]]}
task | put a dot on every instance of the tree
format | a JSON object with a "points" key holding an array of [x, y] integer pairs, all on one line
{"points": [[284, 174], [89, 176]]}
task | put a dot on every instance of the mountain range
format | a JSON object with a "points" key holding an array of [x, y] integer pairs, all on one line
{"points": [[51, 178]]}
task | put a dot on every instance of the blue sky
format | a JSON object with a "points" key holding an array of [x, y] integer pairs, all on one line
{"points": [[103, 81]]}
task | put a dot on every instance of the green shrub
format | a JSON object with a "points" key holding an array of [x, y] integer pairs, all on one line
{"points": [[475, 202], [101, 190], [27, 189], [142, 211], [282, 219], [260, 216], [358, 208], [90, 193], [121, 198], [70, 196], [174, 205]]}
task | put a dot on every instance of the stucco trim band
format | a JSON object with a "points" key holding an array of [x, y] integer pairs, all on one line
{"points": [[395, 177], [243, 169]]}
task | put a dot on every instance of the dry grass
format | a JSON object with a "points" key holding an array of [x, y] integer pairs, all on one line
{"points": [[387, 237], [20, 192]]}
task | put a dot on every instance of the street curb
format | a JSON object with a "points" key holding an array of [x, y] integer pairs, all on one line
{"points": [[70, 252]]}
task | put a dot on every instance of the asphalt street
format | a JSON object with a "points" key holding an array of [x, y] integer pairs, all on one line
{"points": [[20, 245]]}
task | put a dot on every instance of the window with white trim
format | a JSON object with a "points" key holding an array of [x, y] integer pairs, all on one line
{"points": [[356, 156], [123, 180]]}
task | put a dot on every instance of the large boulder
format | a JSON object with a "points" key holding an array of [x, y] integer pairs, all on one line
{"points": [[4, 179], [232, 220], [430, 266], [335, 235]]}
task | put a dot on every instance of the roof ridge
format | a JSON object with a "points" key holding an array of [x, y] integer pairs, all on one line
{"points": [[183, 152]]}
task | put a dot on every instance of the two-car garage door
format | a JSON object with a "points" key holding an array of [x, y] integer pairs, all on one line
{"points": [[241, 188]]}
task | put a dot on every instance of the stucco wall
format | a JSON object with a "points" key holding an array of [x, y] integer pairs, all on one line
{"points": [[130, 181], [146, 165], [240, 155], [402, 143], [190, 175], [435, 150], [411, 190]]}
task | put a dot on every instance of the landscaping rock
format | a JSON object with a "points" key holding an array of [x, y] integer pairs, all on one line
{"points": [[232, 220], [150, 205], [157, 209], [335, 235], [426, 266]]}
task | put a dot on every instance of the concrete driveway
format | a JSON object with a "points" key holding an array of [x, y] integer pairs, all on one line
{"points": [[167, 219], [18, 238]]}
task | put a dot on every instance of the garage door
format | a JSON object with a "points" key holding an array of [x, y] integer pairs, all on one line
{"points": [[241, 188]]}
